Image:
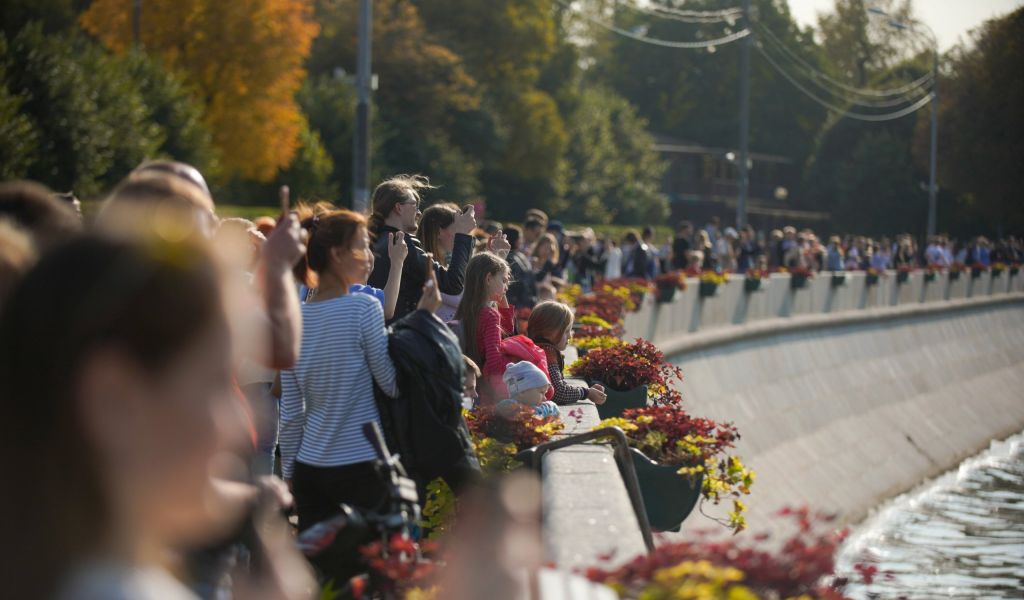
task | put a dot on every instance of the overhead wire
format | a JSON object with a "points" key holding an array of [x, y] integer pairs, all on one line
{"points": [[843, 111], [925, 79], [720, 41], [728, 15]]}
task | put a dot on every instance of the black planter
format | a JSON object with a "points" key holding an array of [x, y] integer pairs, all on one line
{"points": [[797, 282], [902, 277], [929, 277], [1014, 271], [954, 275], [708, 289], [751, 284], [619, 401], [838, 280], [976, 273], [871, 279], [666, 292], [996, 272], [668, 496]]}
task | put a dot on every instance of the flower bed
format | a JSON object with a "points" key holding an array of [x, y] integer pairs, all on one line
{"points": [[955, 270], [931, 272], [695, 448], [630, 366], [798, 277], [709, 282], [738, 569], [668, 284], [752, 280], [872, 276], [903, 274]]}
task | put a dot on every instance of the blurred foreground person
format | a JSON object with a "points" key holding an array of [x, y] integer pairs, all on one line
{"points": [[34, 209], [116, 369]]}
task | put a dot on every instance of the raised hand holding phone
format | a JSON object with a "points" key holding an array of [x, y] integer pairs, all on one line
{"points": [[286, 244], [499, 245], [465, 222], [398, 249]]}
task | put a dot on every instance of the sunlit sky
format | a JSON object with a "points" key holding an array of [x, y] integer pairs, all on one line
{"points": [[951, 19]]}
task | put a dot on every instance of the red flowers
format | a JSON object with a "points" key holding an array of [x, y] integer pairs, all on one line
{"points": [[675, 278], [400, 563], [681, 439], [632, 365], [523, 428], [796, 569]]}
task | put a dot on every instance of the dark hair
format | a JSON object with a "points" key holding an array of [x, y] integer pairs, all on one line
{"points": [[434, 219], [648, 232], [151, 300], [398, 189], [33, 208], [631, 237], [533, 224], [513, 233], [326, 231], [684, 225]]}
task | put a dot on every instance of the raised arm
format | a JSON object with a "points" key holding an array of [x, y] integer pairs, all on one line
{"points": [[397, 252]]}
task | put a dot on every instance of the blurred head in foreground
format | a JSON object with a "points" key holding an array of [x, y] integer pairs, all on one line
{"points": [[157, 204], [116, 375]]}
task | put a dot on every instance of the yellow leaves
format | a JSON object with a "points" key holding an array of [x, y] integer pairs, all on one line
{"points": [[242, 57], [697, 580], [619, 422]]}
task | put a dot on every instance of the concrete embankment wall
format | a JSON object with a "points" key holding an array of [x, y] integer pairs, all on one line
{"points": [[844, 396], [840, 417]]}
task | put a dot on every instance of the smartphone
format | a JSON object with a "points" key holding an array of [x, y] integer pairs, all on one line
{"points": [[467, 208]]}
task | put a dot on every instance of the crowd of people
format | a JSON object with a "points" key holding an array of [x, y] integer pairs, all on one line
{"points": [[160, 366]]}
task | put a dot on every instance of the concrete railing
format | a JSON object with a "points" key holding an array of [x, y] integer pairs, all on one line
{"points": [[844, 396], [732, 305]]}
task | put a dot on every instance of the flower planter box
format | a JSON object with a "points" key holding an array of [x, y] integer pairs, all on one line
{"points": [[996, 273], [798, 282], [838, 280], [902, 277], [976, 273], [929, 277], [1014, 271], [666, 292], [708, 289], [619, 401], [668, 496], [954, 275], [751, 284], [871, 279]]}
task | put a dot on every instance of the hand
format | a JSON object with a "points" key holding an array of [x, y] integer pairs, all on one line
{"points": [[465, 222], [286, 245], [430, 300], [499, 244], [596, 394], [397, 248]]}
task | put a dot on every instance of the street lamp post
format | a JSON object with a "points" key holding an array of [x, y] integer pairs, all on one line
{"points": [[361, 139], [744, 191]]}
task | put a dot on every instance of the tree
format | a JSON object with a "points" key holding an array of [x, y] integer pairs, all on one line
{"points": [[981, 129], [92, 122], [860, 45], [244, 58], [614, 174]]}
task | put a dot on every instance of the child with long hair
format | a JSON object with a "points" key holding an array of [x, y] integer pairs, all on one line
{"points": [[485, 317], [550, 327]]}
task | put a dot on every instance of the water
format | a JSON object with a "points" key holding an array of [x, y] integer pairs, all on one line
{"points": [[959, 536]]}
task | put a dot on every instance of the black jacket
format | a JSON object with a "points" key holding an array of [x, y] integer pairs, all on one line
{"points": [[522, 291], [414, 271], [425, 424]]}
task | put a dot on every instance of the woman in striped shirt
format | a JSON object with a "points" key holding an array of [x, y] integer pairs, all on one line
{"points": [[328, 395]]}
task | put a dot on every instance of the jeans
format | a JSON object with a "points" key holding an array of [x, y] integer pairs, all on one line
{"points": [[267, 414]]}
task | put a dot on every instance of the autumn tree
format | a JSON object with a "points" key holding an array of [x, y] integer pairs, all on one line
{"points": [[243, 58]]}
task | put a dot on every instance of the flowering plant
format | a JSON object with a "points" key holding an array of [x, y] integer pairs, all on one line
{"points": [[570, 294], [521, 427], [998, 267], [597, 342], [738, 569], [593, 320], [605, 305], [628, 366], [675, 278], [631, 291], [399, 565], [801, 272], [589, 326], [714, 278], [669, 435], [757, 274], [873, 272], [957, 267]]}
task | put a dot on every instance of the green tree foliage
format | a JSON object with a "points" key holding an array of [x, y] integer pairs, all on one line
{"points": [[614, 174], [981, 130], [81, 118], [694, 94], [92, 122], [859, 44]]}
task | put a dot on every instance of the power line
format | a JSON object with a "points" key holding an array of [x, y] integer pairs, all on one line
{"points": [[910, 96], [728, 15], [657, 41], [843, 112], [824, 76]]}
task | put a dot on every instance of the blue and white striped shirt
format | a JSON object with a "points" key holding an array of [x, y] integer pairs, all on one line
{"points": [[328, 395]]}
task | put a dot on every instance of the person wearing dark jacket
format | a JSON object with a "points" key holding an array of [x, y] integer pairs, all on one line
{"points": [[424, 424], [395, 208], [638, 263], [522, 291]]}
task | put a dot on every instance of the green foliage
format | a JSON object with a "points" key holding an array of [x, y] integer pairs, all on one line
{"points": [[92, 121], [439, 509], [614, 173], [980, 130], [19, 138]]}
